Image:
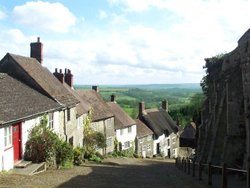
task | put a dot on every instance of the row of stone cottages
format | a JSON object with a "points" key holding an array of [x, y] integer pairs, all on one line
{"points": [[29, 90]]}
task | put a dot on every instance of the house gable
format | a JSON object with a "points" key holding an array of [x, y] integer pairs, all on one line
{"points": [[30, 71]]}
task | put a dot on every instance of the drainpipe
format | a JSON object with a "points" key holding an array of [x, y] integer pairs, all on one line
{"points": [[64, 126]]}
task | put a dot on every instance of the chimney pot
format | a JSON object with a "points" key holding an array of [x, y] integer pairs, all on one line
{"points": [[36, 50], [164, 105], [59, 75], [95, 88], [112, 98], [68, 77], [141, 109]]}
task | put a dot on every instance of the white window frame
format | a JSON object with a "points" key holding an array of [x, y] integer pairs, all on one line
{"points": [[51, 120], [129, 129], [127, 145], [121, 131], [7, 136]]}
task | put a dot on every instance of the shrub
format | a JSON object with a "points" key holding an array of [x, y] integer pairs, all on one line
{"points": [[99, 155], [95, 158], [40, 146], [78, 156], [64, 152]]}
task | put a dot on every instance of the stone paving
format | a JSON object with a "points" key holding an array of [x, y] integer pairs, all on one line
{"points": [[121, 172]]}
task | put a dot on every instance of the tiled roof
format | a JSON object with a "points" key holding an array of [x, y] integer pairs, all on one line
{"points": [[81, 108], [159, 121], [43, 78], [18, 101], [189, 131], [122, 119], [100, 109], [142, 129]]}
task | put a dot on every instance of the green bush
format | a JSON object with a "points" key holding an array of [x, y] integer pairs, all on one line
{"points": [[41, 143], [78, 156], [99, 155], [95, 158], [64, 152]]}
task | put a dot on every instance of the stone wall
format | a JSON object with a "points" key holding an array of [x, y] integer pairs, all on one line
{"points": [[224, 130]]}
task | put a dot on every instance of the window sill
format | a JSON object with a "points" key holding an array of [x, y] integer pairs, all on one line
{"points": [[8, 147]]}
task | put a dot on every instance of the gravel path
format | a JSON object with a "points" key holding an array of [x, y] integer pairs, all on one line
{"points": [[120, 172]]}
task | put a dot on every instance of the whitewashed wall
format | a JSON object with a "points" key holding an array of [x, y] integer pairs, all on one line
{"points": [[6, 154], [163, 148], [126, 136]]}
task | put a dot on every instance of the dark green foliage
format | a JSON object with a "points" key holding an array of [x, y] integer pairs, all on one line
{"points": [[44, 145], [64, 153], [41, 143], [189, 112], [78, 156], [213, 65], [100, 139]]}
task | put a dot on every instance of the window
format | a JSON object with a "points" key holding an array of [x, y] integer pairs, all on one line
{"points": [[129, 129], [7, 136], [71, 141], [149, 147], [109, 142], [127, 144], [121, 132], [109, 124], [51, 120], [168, 143], [68, 114]]}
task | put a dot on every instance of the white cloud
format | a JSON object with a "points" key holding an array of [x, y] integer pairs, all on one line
{"points": [[2, 15], [102, 14], [44, 16], [14, 41]]}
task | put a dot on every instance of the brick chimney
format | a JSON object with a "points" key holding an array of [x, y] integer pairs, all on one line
{"points": [[68, 77], [36, 50], [141, 109], [59, 75], [112, 98], [95, 88], [164, 105]]}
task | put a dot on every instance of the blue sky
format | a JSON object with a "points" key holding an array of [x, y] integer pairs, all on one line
{"points": [[125, 41]]}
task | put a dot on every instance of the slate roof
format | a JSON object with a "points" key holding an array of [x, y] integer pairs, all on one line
{"points": [[81, 108], [142, 129], [189, 131], [188, 136], [18, 101], [44, 79], [100, 109], [122, 119], [159, 121]]}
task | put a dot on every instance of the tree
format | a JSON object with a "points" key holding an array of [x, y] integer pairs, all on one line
{"points": [[91, 139]]}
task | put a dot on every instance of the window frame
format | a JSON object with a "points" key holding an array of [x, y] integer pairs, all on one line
{"points": [[51, 120], [8, 137], [130, 129]]}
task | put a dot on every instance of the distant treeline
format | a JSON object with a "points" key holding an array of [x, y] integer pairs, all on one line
{"points": [[184, 99]]}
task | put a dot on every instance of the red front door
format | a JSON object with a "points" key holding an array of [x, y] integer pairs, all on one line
{"points": [[17, 141]]}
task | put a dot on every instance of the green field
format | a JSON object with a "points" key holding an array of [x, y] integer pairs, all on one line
{"points": [[179, 97]]}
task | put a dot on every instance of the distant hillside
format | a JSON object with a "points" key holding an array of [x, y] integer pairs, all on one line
{"points": [[128, 96], [193, 86]]}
